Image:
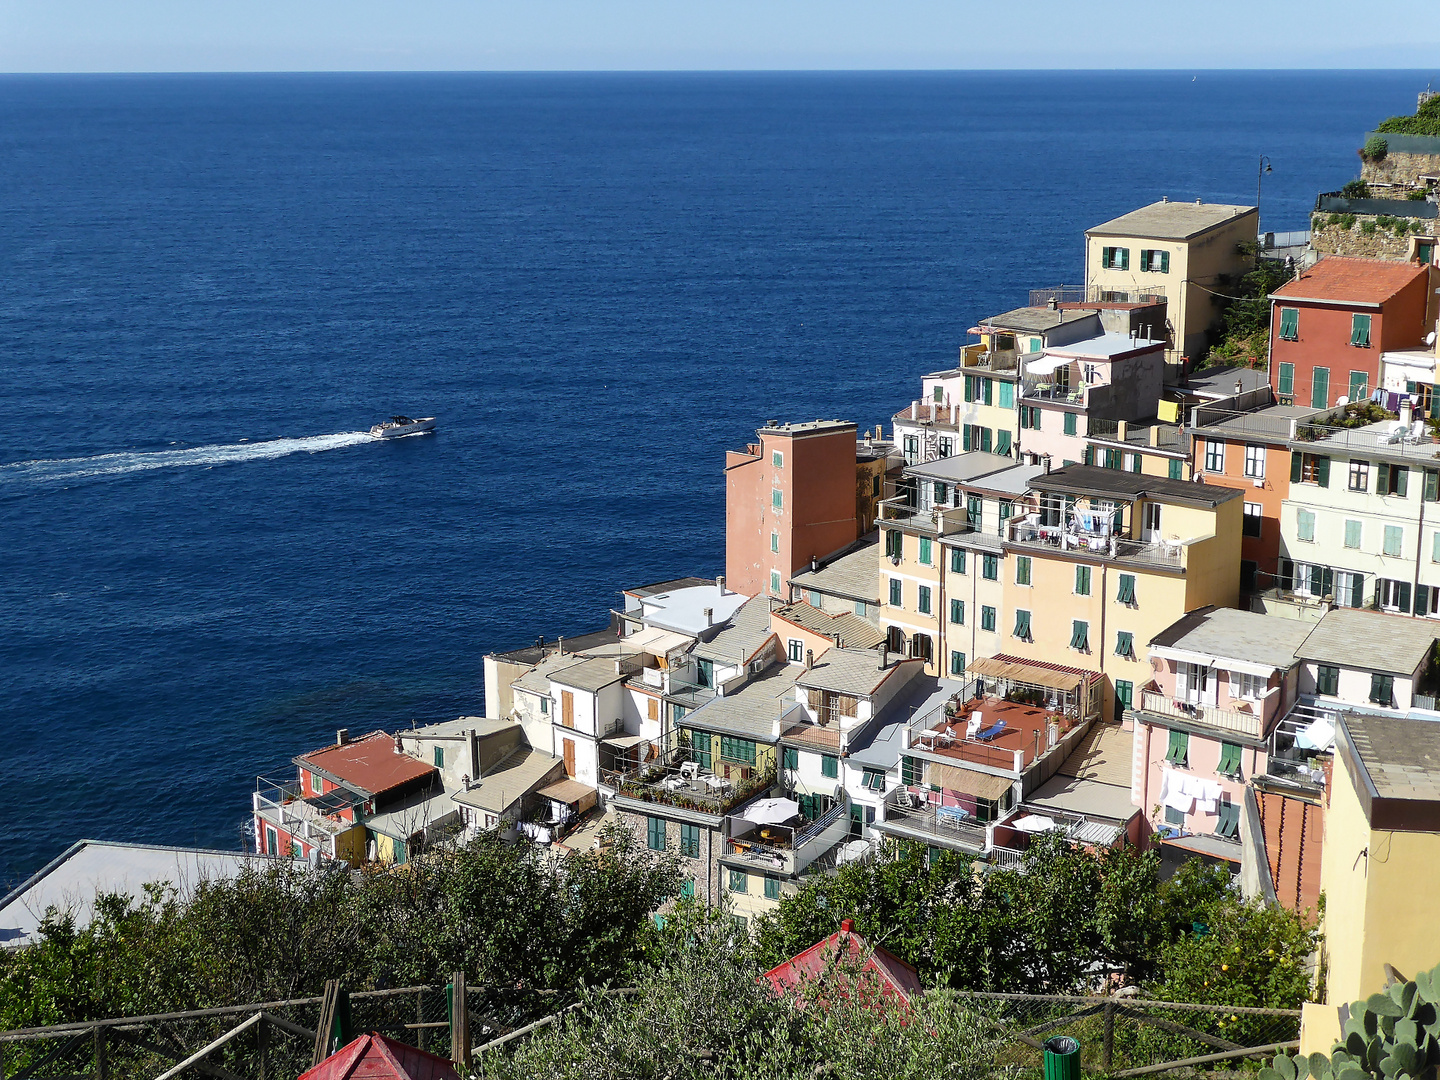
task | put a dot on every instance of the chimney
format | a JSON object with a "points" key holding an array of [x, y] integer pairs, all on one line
{"points": [[720, 583], [814, 563], [398, 748], [1054, 304], [847, 926], [1198, 203], [809, 659], [560, 644], [474, 746], [1239, 388], [342, 736], [884, 655], [617, 668], [709, 616], [1164, 198]]}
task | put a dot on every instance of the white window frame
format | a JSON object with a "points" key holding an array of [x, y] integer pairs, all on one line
{"points": [[1256, 511], [795, 650], [1359, 476], [1214, 456], [1247, 687], [317, 784], [1254, 461], [1388, 593], [777, 459]]}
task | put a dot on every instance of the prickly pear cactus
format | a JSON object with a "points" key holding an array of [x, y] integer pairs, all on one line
{"points": [[1389, 1036]]}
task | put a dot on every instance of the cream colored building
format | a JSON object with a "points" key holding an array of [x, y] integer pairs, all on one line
{"points": [[1184, 252]]}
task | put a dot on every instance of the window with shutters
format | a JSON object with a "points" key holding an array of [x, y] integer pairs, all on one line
{"points": [[1007, 395], [1124, 693], [1349, 589], [1435, 548], [1319, 387], [1112, 459], [777, 498], [925, 551], [1289, 325], [1082, 581], [922, 603], [1327, 679], [895, 592], [1080, 636], [1360, 331], [1125, 644], [1250, 522], [1432, 486], [1214, 456], [741, 751], [690, 841], [1394, 539], [1382, 690], [1022, 625], [1247, 687], [1115, 258], [1392, 480], [894, 544], [872, 779], [439, 757], [1227, 823], [655, 833], [1393, 595], [1022, 570], [829, 766], [957, 560], [1254, 462], [990, 567], [1285, 383], [1359, 385], [1305, 526], [790, 759], [774, 582], [1310, 469], [795, 650], [772, 888], [1070, 423], [1352, 534], [957, 610], [957, 663], [1125, 593], [774, 541], [987, 618], [739, 881], [1177, 469], [974, 510], [1002, 443], [911, 770], [910, 444], [947, 446], [1154, 262]]}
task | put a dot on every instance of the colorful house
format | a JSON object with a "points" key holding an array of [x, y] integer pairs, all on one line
{"points": [[869, 970], [379, 1057]]}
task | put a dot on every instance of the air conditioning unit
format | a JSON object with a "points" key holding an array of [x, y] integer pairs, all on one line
{"points": [[757, 666], [1259, 482]]}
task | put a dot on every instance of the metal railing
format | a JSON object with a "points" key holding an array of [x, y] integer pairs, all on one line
{"points": [[1231, 720], [1161, 553], [1060, 294], [943, 827]]}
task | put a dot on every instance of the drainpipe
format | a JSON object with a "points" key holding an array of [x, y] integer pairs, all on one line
{"points": [[942, 640], [1419, 544], [1104, 600]]}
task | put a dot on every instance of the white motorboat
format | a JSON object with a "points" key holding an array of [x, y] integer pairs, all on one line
{"points": [[399, 426]]}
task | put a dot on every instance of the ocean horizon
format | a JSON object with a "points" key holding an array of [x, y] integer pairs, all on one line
{"points": [[213, 284]]}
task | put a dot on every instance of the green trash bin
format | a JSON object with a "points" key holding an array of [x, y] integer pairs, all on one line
{"points": [[1062, 1058]]}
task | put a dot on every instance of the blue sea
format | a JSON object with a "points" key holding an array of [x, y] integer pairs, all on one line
{"points": [[210, 284]]}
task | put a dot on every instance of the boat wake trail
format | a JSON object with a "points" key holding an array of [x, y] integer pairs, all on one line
{"points": [[63, 470]]}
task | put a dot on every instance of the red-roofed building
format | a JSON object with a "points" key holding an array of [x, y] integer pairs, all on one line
{"points": [[375, 1057], [882, 971], [1330, 326]]}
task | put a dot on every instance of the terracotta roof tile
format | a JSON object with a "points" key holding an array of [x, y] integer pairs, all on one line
{"points": [[370, 764], [1344, 277]]}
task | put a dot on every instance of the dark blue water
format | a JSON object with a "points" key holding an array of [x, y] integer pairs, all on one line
{"points": [[599, 283]]}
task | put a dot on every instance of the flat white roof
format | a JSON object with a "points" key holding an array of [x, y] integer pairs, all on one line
{"points": [[683, 610], [88, 867]]}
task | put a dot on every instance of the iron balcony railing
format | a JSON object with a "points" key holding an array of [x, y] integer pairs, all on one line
{"points": [[1250, 724]]}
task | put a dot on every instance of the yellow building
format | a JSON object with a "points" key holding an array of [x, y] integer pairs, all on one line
{"points": [[941, 557], [1183, 252], [1382, 851], [1108, 561]]}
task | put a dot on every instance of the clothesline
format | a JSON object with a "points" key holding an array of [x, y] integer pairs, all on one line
{"points": [[1188, 794]]}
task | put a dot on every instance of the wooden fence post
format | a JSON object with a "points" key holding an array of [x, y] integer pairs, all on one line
{"points": [[262, 1045], [1107, 1053], [459, 1024], [101, 1070], [421, 1033]]}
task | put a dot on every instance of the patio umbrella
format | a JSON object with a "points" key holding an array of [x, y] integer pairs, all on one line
{"points": [[1036, 823], [772, 811]]}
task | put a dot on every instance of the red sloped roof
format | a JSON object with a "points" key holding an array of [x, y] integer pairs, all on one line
{"points": [[376, 1057], [369, 764], [1345, 277], [896, 978]]}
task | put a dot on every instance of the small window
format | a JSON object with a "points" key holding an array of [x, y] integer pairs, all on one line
{"points": [[1174, 817], [829, 766], [795, 650], [1327, 680], [922, 603], [1125, 594], [990, 567], [938, 394], [1115, 258], [987, 618], [1082, 581], [1382, 690], [957, 560], [957, 608], [1392, 480], [1359, 385], [1285, 381], [1214, 456], [1177, 469], [1154, 262], [772, 888], [777, 498], [317, 785], [1360, 331], [1289, 326], [1359, 475], [1022, 570], [439, 757], [896, 592], [1319, 387], [974, 510], [655, 833], [1070, 423], [790, 759], [1227, 824], [1022, 625], [873, 779], [912, 771], [777, 458], [1310, 469], [1125, 644], [1305, 526], [957, 663], [1394, 539], [739, 881], [690, 841], [1080, 636], [925, 551], [1007, 396], [774, 541], [544, 706], [894, 544], [775, 582], [1255, 462], [1179, 749], [1250, 524], [1352, 534]]}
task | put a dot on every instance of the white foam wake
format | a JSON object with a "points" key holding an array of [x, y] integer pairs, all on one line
{"points": [[61, 469]]}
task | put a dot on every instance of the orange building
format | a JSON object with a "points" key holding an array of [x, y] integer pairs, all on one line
{"points": [[789, 498]]}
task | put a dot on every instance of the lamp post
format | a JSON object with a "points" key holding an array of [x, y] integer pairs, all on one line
{"points": [[1259, 181]]}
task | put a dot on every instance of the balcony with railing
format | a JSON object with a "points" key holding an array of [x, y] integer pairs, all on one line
{"points": [[1237, 721], [1301, 750], [911, 816], [1098, 543], [1006, 727], [287, 804], [676, 779], [939, 520], [789, 848]]}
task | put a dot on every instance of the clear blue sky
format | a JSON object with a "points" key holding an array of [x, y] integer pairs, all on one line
{"points": [[419, 35]]}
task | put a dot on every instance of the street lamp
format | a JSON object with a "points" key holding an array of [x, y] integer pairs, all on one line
{"points": [[1259, 180]]}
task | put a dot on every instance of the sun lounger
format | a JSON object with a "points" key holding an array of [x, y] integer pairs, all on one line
{"points": [[990, 732]]}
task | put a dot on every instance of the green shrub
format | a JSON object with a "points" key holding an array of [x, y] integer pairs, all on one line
{"points": [[1356, 189], [1375, 149], [1418, 195], [1426, 121], [1347, 221], [1367, 228]]}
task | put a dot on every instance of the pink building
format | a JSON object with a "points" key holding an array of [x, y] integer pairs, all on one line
{"points": [[1223, 682]]}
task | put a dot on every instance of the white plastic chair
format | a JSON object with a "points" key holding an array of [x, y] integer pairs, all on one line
{"points": [[975, 723]]}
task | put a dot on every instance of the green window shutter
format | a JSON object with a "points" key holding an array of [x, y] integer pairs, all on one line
{"points": [[965, 438], [925, 550], [1394, 537], [957, 610], [1422, 600], [1069, 423], [739, 881], [1179, 751], [1022, 569], [969, 387], [1124, 258], [829, 766], [957, 560], [1022, 625], [873, 780], [439, 757], [985, 439], [1297, 463], [1125, 693], [1304, 525], [1229, 760], [1320, 388], [910, 771], [922, 599], [1290, 324], [1432, 485], [690, 841], [1322, 471], [1402, 481], [1137, 463], [990, 567], [1164, 262], [1352, 533], [1105, 258], [1360, 330], [1089, 455], [987, 617], [655, 833], [1285, 384], [1402, 601], [895, 596], [1382, 478], [1080, 635], [1358, 381], [1082, 581], [1002, 442], [1228, 822], [772, 888], [1126, 593], [988, 386], [1124, 643], [1327, 679], [1007, 395], [1177, 469], [791, 758], [957, 663]]}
